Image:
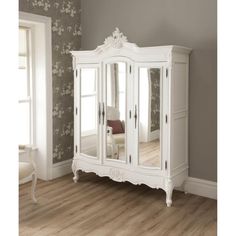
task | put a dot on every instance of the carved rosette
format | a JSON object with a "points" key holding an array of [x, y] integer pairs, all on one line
{"points": [[116, 175], [116, 40]]}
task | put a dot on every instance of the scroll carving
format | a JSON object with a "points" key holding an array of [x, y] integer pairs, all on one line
{"points": [[116, 175]]}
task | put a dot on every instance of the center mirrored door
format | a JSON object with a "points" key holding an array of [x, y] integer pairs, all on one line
{"points": [[150, 107], [116, 106]]}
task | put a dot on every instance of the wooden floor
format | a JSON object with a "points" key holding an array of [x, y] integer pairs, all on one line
{"points": [[149, 153], [100, 207]]}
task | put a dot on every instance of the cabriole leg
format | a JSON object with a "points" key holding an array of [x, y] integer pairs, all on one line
{"points": [[76, 176], [75, 171], [169, 191], [184, 187]]}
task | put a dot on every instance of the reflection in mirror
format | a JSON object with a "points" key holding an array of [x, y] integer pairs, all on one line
{"points": [[149, 117], [116, 110], [89, 132]]}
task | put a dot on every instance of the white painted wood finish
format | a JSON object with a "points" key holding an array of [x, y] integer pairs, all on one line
{"points": [[173, 62]]}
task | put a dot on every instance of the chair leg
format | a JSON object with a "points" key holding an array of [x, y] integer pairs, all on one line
{"points": [[118, 151], [34, 181], [112, 151]]}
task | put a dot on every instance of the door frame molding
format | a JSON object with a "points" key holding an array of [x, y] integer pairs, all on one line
{"points": [[43, 90]]}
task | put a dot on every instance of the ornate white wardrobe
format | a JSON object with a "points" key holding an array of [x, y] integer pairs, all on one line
{"points": [[131, 113]]}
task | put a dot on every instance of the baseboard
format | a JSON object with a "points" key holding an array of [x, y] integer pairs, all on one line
{"points": [[25, 180], [201, 187], [61, 169], [154, 135]]}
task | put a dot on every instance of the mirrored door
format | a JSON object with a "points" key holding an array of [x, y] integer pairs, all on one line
{"points": [[116, 106], [88, 112], [149, 135]]}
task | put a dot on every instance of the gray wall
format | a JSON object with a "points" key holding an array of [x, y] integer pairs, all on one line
{"points": [[66, 34], [190, 23]]}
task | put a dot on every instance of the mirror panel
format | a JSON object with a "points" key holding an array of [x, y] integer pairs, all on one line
{"points": [[88, 124], [149, 117], [116, 76]]}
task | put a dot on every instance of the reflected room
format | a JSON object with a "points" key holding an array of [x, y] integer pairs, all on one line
{"points": [[88, 127], [116, 111], [149, 117]]}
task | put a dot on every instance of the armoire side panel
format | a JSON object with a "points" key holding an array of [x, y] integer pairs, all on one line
{"points": [[179, 142], [180, 91], [179, 118]]}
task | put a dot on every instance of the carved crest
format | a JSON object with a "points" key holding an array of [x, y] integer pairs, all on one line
{"points": [[116, 40]]}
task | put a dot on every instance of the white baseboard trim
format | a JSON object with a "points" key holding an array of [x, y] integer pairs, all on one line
{"points": [[61, 169], [201, 187], [154, 135]]}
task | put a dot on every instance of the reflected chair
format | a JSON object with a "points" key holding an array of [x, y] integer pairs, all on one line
{"points": [[115, 131]]}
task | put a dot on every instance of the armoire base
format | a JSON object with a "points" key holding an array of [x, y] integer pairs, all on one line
{"points": [[122, 175]]}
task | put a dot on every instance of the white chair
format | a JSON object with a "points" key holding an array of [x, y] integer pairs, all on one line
{"points": [[28, 168], [115, 141]]}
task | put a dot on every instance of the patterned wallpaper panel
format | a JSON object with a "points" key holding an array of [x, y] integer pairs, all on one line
{"points": [[155, 98], [66, 36]]}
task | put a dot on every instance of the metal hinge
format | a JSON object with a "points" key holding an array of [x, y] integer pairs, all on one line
{"points": [[76, 148], [130, 114], [129, 158], [165, 165], [166, 72], [76, 110], [130, 69], [166, 118]]}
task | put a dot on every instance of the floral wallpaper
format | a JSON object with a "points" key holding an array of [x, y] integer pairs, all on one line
{"points": [[155, 98], [66, 36]]}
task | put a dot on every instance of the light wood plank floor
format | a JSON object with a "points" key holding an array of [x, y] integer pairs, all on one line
{"points": [[149, 153], [98, 206]]}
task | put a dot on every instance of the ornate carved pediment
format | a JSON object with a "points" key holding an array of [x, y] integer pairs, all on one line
{"points": [[116, 40]]}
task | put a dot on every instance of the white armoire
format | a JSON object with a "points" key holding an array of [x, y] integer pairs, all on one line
{"points": [[131, 113]]}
